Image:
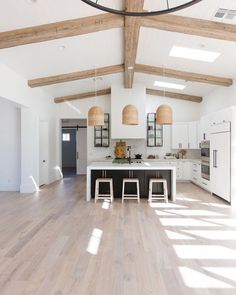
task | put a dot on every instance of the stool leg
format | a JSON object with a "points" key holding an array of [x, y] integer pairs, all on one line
{"points": [[123, 191], [150, 192], [111, 191], [96, 191], [166, 192], [138, 192]]}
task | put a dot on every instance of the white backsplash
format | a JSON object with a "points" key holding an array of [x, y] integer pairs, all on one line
{"points": [[138, 146]]}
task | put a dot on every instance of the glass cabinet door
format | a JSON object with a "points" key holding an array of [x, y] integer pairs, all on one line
{"points": [[154, 131], [102, 133]]}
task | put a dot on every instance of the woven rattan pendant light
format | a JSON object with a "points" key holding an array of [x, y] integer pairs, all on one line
{"points": [[164, 114], [130, 115], [95, 113], [95, 116]]}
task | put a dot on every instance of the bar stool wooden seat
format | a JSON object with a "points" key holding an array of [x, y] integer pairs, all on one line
{"points": [[99, 196], [130, 196], [156, 197]]}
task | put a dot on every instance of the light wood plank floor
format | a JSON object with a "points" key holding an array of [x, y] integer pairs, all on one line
{"points": [[54, 242]]}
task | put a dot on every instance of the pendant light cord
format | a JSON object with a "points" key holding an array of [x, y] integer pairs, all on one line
{"points": [[163, 69], [95, 82]]}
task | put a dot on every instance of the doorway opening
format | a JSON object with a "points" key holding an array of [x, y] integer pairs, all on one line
{"points": [[74, 147]]}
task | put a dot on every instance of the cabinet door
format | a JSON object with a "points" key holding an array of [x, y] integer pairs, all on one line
{"points": [[193, 135], [187, 170], [204, 128], [180, 136]]}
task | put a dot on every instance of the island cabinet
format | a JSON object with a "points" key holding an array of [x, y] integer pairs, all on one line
{"points": [[118, 175]]}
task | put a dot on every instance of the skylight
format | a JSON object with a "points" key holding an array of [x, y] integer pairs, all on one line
{"points": [[169, 85], [194, 54]]}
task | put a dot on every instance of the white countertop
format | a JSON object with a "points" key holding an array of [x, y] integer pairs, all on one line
{"points": [[145, 165], [151, 161], [173, 160]]}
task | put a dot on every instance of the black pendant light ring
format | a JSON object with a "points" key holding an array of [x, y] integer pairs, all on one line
{"points": [[143, 13]]}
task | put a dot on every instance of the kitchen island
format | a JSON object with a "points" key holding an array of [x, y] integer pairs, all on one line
{"points": [[143, 171]]}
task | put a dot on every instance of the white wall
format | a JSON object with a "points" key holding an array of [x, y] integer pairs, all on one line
{"points": [[40, 107], [10, 152], [222, 97], [121, 97], [182, 111]]}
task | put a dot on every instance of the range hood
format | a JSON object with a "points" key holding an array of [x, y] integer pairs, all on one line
{"points": [[120, 97]]}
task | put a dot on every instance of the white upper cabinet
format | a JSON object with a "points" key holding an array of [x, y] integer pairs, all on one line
{"points": [[180, 136], [120, 97], [206, 122], [193, 135], [185, 135], [204, 128]]}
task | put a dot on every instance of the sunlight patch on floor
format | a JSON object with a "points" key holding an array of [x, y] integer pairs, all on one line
{"points": [[213, 234], [222, 221], [226, 272], [177, 236], [188, 212], [216, 205], [94, 241], [106, 204], [166, 205], [184, 222], [163, 213], [204, 252], [196, 279], [187, 199]]}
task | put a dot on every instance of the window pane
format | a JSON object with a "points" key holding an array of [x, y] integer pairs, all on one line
{"points": [[66, 137]]}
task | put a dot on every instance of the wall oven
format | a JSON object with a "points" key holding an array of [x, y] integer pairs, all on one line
{"points": [[205, 150], [205, 159]]}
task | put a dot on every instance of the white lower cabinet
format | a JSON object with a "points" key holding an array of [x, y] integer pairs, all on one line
{"points": [[190, 171], [196, 173], [183, 170], [205, 184], [197, 178], [186, 170]]}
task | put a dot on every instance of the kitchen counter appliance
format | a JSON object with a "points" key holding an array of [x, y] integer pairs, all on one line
{"points": [[205, 159]]}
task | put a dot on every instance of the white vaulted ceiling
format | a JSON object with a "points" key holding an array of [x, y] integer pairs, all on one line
{"points": [[107, 47]]}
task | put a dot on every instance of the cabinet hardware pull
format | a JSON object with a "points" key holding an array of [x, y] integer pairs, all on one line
{"points": [[216, 166]]}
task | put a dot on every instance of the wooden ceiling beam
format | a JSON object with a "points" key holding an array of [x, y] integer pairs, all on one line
{"points": [[182, 75], [61, 29], [174, 95], [191, 26], [108, 91], [82, 95], [44, 81], [139, 68], [131, 38]]}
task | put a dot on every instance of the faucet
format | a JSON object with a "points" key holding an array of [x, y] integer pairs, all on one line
{"points": [[129, 150]]}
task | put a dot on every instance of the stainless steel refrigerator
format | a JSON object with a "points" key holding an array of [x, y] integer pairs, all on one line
{"points": [[220, 169]]}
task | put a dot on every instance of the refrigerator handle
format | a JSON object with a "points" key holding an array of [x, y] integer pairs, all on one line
{"points": [[216, 159], [213, 158]]}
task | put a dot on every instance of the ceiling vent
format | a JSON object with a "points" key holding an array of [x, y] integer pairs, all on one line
{"points": [[229, 14]]}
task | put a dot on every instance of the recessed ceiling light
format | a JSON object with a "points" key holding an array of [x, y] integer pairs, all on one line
{"points": [[194, 54], [169, 85], [31, 1]]}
